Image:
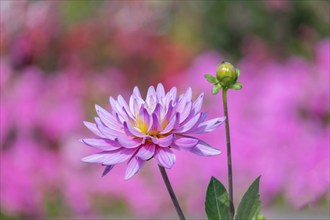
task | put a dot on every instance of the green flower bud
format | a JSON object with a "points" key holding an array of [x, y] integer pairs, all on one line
{"points": [[226, 78], [226, 74]]}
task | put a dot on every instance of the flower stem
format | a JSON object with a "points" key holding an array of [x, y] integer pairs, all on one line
{"points": [[230, 172], [171, 192]]}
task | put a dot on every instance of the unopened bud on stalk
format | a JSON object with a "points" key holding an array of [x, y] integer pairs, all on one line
{"points": [[226, 78], [226, 74]]}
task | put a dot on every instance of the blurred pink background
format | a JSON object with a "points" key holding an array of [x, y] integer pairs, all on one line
{"points": [[59, 58]]}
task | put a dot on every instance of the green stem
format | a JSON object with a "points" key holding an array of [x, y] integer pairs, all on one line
{"points": [[230, 172], [171, 192]]}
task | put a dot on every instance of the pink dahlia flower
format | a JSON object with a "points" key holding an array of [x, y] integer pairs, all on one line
{"points": [[142, 129]]}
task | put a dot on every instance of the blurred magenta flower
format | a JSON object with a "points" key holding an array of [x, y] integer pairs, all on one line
{"points": [[142, 129]]}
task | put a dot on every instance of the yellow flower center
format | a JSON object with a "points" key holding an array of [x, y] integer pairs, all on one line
{"points": [[141, 125]]}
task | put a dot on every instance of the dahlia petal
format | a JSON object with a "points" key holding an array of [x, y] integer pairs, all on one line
{"points": [[188, 94], [135, 103], [132, 131], [106, 117], [168, 112], [151, 99], [107, 132], [203, 149], [132, 104], [95, 158], [208, 126], [186, 111], [152, 103], [144, 115], [166, 141], [120, 118], [136, 92], [101, 143], [119, 157], [127, 142], [170, 96], [153, 139], [188, 118], [93, 128], [172, 124], [123, 116], [151, 92], [203, 117], [192, 115], [144, 120], [190, 124], [155, 123], [133, 166], [198, 103], [127, 114], [117, 111], [146, 152], [160, 91], [157, 110], [107, 169], [165, 157], [110, 157], [186, 142], [180, 104], [144, 139], [113, 104], [124, 105]]}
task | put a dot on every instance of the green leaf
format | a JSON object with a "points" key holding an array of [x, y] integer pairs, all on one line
{"points": [[210, 78], [216, 88], [249, 206], [238, 72], [237, 86], [217, 202]]}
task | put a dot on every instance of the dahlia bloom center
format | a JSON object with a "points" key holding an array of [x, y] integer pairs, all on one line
{"points": [[144, 127]]}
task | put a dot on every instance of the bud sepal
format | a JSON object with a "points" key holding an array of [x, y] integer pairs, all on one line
{"points": [[236, 86], [216, 88], [211, 78]]}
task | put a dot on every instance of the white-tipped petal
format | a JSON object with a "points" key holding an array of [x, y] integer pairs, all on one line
{"points": [[203, 149]]}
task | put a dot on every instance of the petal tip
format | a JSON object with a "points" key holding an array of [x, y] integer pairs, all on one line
{"points": [[107, 170], [84, 159], [97, 107], [86, 123], [216, 153]]}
